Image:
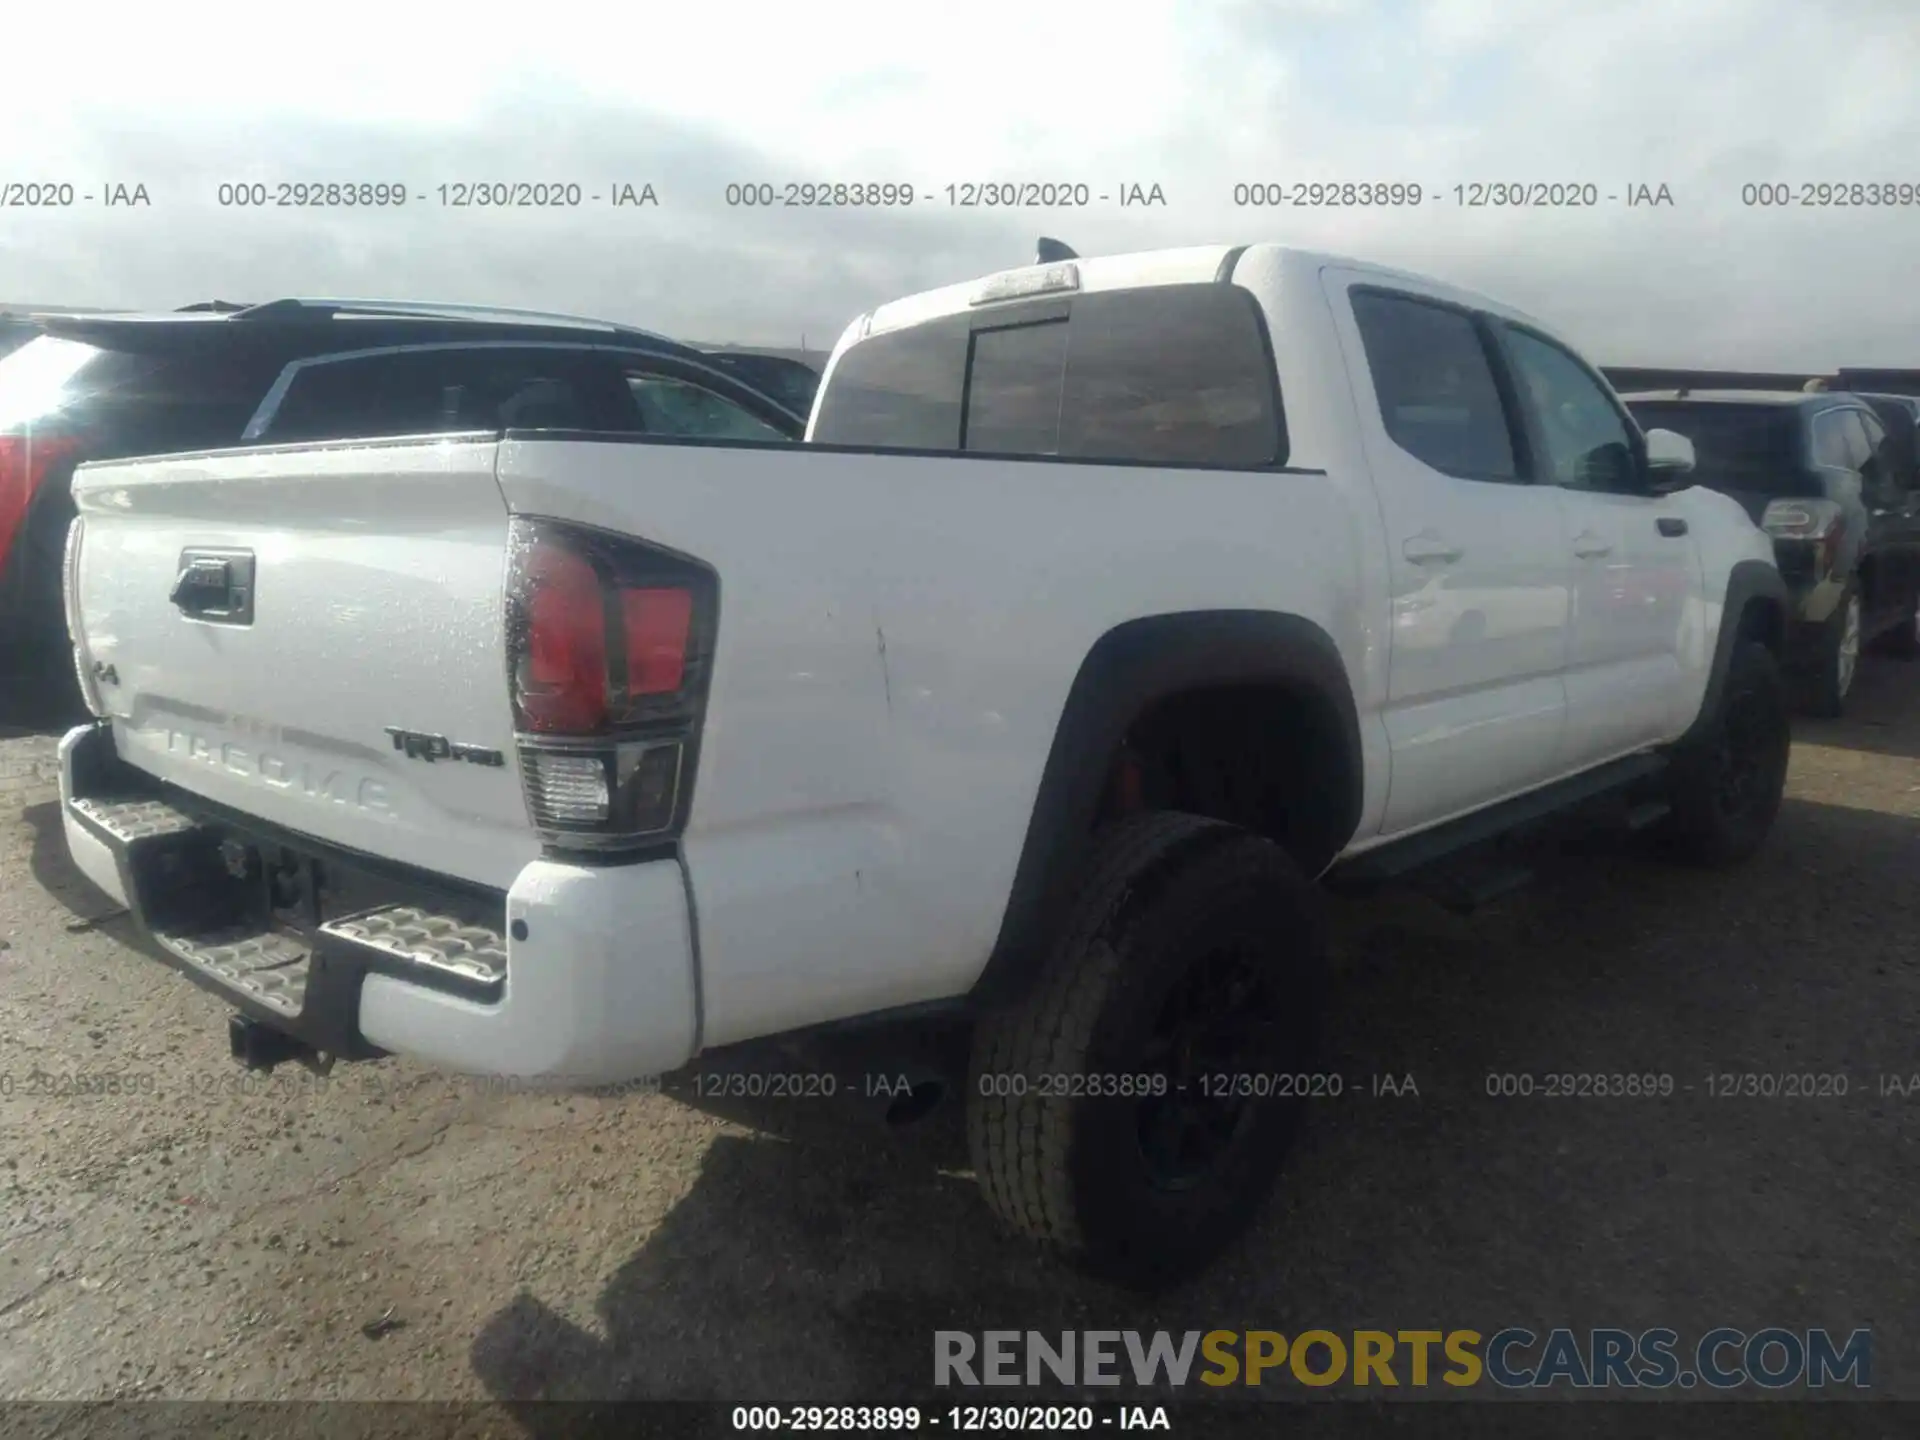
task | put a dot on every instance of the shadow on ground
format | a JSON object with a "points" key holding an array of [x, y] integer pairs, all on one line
{"points": [[815, 1261], [37, 702], [1880, 713]]}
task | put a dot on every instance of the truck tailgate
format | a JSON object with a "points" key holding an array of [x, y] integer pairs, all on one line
{"points": [[362, 596]]}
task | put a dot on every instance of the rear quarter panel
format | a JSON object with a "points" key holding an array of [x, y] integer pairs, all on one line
{"points": [[897, 638]]}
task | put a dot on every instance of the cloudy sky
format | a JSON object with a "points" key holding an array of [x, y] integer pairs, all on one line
{"points": [[1703, 96]]}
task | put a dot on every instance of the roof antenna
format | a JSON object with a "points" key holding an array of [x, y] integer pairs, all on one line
{"points": [[1050, 250]]}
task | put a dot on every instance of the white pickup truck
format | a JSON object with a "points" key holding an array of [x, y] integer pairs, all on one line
{"points": [[1112, 605]]}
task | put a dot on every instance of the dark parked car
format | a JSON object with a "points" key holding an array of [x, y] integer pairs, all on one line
{"points": [[213, 376], [1821, 474], [1901, 415]]}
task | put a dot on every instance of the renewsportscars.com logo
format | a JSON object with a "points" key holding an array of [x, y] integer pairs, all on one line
{"points": [[1773, 1358]]}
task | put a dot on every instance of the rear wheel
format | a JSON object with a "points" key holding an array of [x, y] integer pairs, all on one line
{"points": [[1727, 785], [1838, 660], [1132, 1112]]}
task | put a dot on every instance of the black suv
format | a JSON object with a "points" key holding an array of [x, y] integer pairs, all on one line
{"points": [[98, 387], [1901, 415], [1820, 474]]}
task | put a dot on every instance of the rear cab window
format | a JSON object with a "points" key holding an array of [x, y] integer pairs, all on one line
{"points": [[1173, 375]]}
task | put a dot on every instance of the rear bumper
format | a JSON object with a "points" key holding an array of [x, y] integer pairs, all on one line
{"points": [[576, 975]]}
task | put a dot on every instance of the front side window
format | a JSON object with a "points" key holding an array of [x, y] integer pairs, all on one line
{"points": [[1587, 440], [1434, 384]]}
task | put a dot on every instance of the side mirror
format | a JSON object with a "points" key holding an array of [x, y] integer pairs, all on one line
{"points": [[1669, 451], [1670, 461]]}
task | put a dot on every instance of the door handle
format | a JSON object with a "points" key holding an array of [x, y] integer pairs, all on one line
{"points": [[1671, 525], [1589, 546], [1429, 549]]}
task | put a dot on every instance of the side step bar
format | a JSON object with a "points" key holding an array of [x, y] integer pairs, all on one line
{"points": [[1402, 858]]}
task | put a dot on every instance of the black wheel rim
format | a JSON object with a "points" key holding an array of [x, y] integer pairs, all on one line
{"points": [[1752, 733], [1220, 1020]]}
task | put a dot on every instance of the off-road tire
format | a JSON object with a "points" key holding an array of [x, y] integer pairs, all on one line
{"points": [[1711, 824], [1164, 895]]}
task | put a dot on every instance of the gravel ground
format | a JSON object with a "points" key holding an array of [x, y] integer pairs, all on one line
{"points": [[395, 1234]]}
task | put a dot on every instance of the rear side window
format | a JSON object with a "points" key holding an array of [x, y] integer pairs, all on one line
{"points": [[1169, 374], [1901, 456], [37, 380], [1866, 438], [124, 403], [670, 406], [425, 392], [1437, 395], [1835, 443]]}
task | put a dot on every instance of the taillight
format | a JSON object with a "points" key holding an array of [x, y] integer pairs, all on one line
{"points": [[561, 678], [24, 463], [610, 640], [657, 624], [1815, 523]]}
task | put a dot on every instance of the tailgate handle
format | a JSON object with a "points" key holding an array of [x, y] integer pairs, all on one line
{"points": [[215, 585]]}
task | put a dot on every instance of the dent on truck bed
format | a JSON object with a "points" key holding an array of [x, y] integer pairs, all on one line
{"points": [[1131, 669]]}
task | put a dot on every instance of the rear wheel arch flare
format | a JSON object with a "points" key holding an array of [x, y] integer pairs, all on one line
{"points": [[1135, 673]]}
